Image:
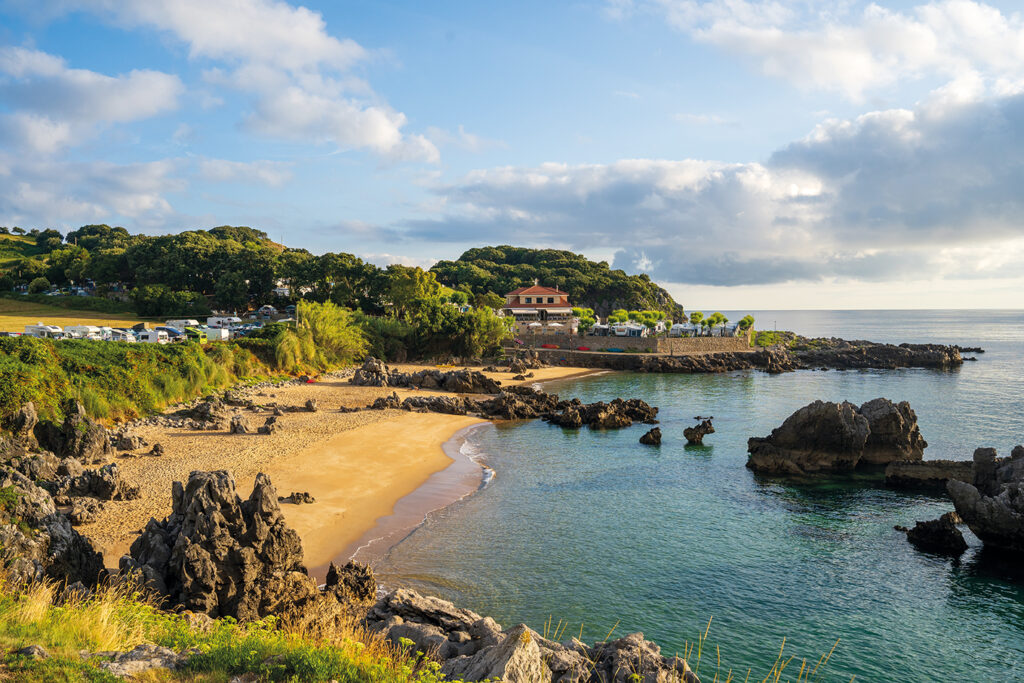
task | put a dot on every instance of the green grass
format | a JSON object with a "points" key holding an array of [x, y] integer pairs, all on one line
{"points": [[769, 338], [15, 247], [16, 312], [114, 619]]}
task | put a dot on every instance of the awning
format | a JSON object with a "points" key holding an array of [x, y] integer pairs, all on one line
{"points": [[525, 311]]}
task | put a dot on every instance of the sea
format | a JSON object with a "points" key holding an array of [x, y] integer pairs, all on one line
{"points": [[590, 534]]}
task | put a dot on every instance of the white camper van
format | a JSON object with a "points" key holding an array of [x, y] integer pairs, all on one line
{"points": [[217, 333], [44, 331], [120, 335], [225, 321], [85, 332], [154, 337], [182, 324]]}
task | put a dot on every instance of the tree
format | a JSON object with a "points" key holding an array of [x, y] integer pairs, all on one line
{"points": [[333, 330], [746, 322], [618, 316], [40, 284], [489, 300], [18, 231], [409, 288], [231, 291], [160, 300], [586, 318], [696, 318], [49, 239]]}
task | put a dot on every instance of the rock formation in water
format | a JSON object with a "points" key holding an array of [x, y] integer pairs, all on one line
{"points": [[36, 541], [826, 436], [696, 434], [652, 438], [223, 556], [940, 536], [475, 648], [927, 473], [992, 504]]}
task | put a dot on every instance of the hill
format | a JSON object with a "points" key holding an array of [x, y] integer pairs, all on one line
{"points": [[589, 284], [15, 247]]}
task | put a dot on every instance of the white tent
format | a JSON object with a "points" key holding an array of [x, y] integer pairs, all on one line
{"points": [[535, 325], [555, 325]]}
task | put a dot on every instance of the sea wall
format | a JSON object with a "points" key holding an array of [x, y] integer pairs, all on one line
{"points": [[670, 345]]}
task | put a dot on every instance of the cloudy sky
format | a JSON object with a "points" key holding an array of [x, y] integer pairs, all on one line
{"points": [[746, 153]]}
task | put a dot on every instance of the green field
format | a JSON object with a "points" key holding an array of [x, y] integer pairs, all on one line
{"points": [[15, 247], [15, 315]]}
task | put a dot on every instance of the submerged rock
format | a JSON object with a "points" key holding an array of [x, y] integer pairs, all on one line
{"points": [[927, 473], [696, 434], [992, 505]]}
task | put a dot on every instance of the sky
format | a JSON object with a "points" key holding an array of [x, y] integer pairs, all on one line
{"points": [[746, 154]]}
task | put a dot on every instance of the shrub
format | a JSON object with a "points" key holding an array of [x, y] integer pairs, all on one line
{"points": [[40, 284]]}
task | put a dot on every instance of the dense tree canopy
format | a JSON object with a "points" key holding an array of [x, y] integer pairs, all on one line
{"points": [[590, 284]]}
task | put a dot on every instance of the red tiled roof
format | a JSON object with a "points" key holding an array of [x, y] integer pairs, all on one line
{"points": [[521, 305], [536, 289]]}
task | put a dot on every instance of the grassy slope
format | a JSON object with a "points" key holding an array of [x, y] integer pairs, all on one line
{"points": [[115, 620], [14, 247], [15, 315]]}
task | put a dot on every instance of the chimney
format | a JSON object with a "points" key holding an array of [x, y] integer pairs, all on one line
{"points": [[536, 282]]}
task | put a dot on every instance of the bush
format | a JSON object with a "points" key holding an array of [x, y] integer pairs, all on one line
{"points": [[40, 284]]}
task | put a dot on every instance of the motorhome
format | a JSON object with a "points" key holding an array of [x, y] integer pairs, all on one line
{"points": [[629, 330], [226, 321], [85, 332], [120, 335], [44, 331], [154, 337], [600, 330], [217, 333], [180, 325], [173, 333], [682, 330]]}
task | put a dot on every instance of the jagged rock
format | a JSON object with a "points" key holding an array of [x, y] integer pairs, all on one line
{"points": [[696, 434], [223, 556], [157, 450], [210, 414], [569, 418], [143, 658], [37, 466], [297, 498], [449, 405], [36, 541], [352, 585], [238, 425], [24, 422], [84, 511], [474, 648], [104, 483], [311, 405], [69, 467], [376, 374], [78, 437], [652, 438], [838, 436], [939, 536], [519, 378], [268, 427], [892, 432], [992, 505], [385, 402], [927, 473]]}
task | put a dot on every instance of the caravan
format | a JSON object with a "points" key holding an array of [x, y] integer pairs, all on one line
{"points": [[44, 331], [629, 330], [85, 332], [227, 321], [682, 330], [153, 337], [180, 325]]}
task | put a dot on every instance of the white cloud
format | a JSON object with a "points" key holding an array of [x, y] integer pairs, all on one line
{"points": [[55, 106], [270, 173], [890, 195], [296, 74], [852, 47], [462, 139]]}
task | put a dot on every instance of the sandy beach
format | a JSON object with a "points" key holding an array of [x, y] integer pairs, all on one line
{"points": [[357, 466]]}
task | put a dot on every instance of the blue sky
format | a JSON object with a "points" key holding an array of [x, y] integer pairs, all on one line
{"points": [[746, 153]]}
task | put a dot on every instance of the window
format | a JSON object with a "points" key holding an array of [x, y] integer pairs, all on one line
{"points": [[529, 300], [551, 299]]}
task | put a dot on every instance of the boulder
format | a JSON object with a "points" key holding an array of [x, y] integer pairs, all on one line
{"points": [[36, 541], [892, 432], [105, 483], [652, 438], [352, 585], [84, 511], [940, 536], [129, 442], [311, 405], [141, 659], [269, 426], [449, 405], [157, 450], [238, 425], [696, 434], [297, 498], [516, 658], [386, 402], [820, 436], [79, 436], [37, 466], [992, 505], [24, 422]]}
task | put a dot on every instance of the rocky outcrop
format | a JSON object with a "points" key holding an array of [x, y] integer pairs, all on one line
{"points": [[940, 536], [927, 473], [105, 483], [297, 498], [840, 354], [38, 542], [352, 585], [24, 422], [79, 436], [475, 648], [375, 373], [211, 413], [652, 438], [892, 432], [992, 504], [84, 511], [222, 556], [238, 425], [696, 434], [142, 658], [826, 436], [129, 442]]}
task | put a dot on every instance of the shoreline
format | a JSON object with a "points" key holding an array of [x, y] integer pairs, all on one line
{"points": [[375, 475]]}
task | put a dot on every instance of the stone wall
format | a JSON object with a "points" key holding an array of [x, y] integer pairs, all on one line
{"points": [[672, 345]]}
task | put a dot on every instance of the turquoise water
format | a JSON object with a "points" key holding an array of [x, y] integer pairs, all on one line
{"points": [[592, 527]]}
